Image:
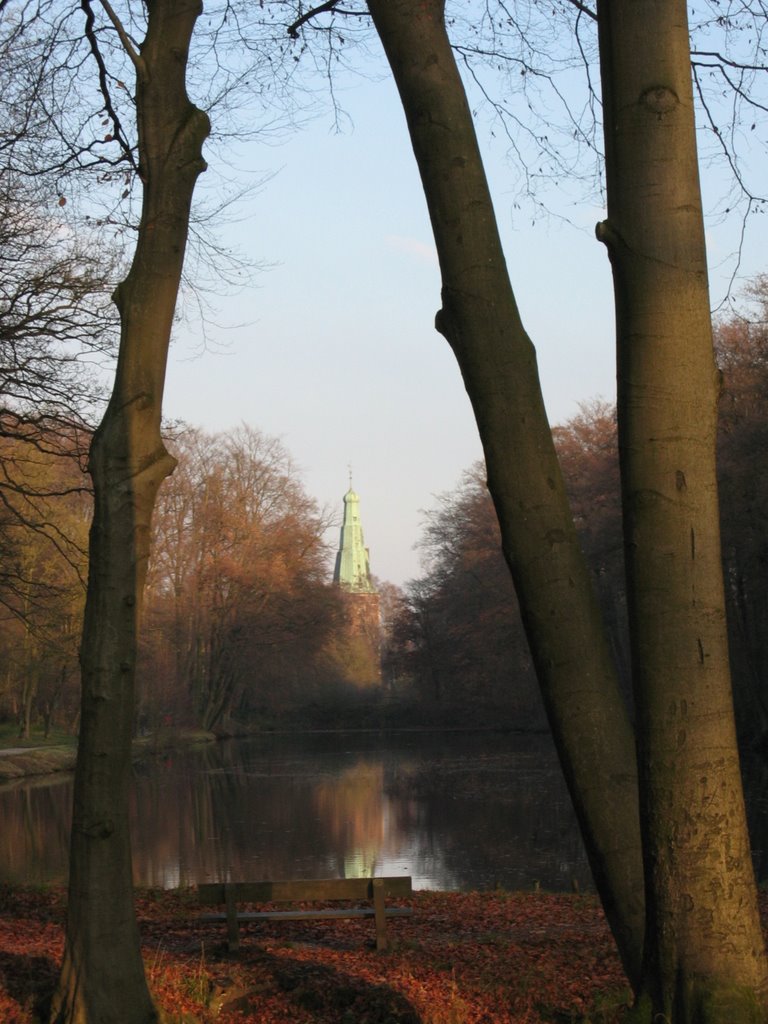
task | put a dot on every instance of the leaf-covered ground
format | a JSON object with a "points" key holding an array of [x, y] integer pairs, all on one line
{"points": [[463, 958]]}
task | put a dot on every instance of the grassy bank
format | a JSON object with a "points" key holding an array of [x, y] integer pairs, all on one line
{"points": [[463, 958], [41, 755], [38, 755]]}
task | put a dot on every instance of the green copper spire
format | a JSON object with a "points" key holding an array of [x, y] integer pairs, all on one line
{"points": [[353, 572]]}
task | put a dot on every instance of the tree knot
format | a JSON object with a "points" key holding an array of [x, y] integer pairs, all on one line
{"points": [[606, 233], [659, 99]]}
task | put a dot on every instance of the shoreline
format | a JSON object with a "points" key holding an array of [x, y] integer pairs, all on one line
{"points": [[38, 761], [29, 762], [41, 759]]}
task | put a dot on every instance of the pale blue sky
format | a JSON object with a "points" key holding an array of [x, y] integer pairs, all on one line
{"points": [[339, 357]]}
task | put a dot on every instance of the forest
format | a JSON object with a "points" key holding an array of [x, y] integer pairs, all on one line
{"points": [[457, 640], [242, 626], [244, 630], [145, 571]]}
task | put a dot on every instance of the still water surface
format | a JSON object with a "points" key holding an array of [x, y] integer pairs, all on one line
{"points": [[455, 811]]}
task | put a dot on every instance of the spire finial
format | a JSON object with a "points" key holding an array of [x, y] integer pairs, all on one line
{"points": [[349, 470]]}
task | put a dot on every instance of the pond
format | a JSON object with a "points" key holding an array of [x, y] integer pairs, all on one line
{"points": [[454, 810]]}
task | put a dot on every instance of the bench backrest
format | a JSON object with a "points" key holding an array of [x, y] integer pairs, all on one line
{"points": [[309, 890]]}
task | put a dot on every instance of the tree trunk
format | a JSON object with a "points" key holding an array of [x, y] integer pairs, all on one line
{"points": [[704, 958], [481, 322], [28, 691], [102, 976]]}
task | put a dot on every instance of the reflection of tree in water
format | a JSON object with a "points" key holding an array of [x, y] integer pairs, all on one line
{"points": [[453, 810], [351, 808], [324, 807], [219, 816], [34, 839]]}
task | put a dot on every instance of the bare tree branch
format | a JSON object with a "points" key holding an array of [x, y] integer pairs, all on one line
{"points": [[293, 29], [125, 39], [90, 35], [583, 9]]}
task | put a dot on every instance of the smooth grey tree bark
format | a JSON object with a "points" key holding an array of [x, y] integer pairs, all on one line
{"points": [[704, 952]]}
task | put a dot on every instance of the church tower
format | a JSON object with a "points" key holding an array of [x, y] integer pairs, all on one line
{"points": [[360, 650], [353, 570]]}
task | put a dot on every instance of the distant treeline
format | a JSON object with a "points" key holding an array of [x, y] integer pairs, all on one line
{"points": [[457, 640], [242, 628]]}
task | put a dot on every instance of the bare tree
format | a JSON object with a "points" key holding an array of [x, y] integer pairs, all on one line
{"points": [[103, 976], [56, 321], [238, 587]]}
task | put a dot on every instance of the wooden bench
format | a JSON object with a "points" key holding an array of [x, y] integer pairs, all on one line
{"points": [[372, 891]]}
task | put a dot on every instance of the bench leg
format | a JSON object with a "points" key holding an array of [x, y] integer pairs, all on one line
{"points": [[233, 929], [379, 914]]}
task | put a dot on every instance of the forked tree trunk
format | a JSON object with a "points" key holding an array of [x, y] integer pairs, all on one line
{"points": [[102, 977], [704, 960], [481, 322]]}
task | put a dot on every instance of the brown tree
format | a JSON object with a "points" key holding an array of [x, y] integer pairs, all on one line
{"points": [[102, 977], [480, 319], [238, 597], [461, 645], [587, 446], [54, 317], [458, 637], [46, 511], [741, 342], [704, 951]]}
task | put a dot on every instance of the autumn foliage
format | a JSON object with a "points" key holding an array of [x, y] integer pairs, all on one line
{"points": [[240, 610], [242, 625], [458, 636], [463, 958], [243, 629]]}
